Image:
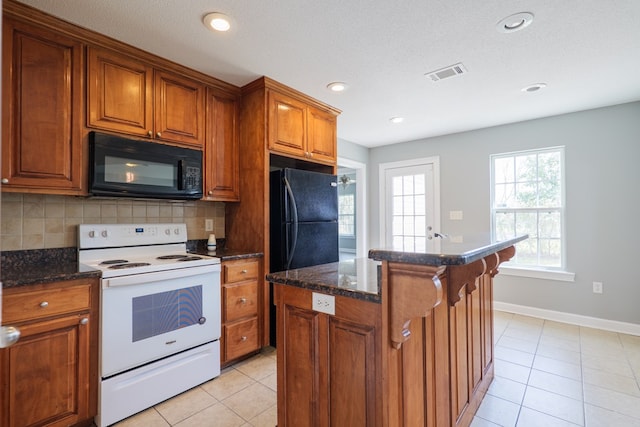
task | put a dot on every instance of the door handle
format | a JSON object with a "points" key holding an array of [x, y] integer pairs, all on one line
{"points": [[9, 335]]}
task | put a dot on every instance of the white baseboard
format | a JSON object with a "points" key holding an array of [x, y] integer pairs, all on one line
{"points": [[574, 319]]}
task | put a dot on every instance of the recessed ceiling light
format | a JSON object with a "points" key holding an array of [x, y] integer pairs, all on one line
{"points": [[217, 21], [515, 22], [337, 86], [396, 120], [534, 87]]}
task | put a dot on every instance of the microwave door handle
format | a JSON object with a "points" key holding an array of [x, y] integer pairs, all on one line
{"points": [[181, 177]]}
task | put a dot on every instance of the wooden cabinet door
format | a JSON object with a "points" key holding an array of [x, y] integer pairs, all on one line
{"points": [[287, 125], [45, 375], [41, 120], [120, 93], [322, 139], [222, 173], [179, 109], [352, 381]]}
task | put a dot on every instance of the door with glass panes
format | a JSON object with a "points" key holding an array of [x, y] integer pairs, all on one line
{"points": [[411, 206]]}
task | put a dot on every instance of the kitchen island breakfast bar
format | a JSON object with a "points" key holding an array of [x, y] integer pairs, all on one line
{"points": [[402, 339]]}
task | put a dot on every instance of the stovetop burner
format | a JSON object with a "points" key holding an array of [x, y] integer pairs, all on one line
{"points": [[114, 261], [189, 258], [130, 265], [171, 256]]}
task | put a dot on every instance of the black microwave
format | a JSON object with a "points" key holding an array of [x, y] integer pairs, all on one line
{"points": [[131, 168]]}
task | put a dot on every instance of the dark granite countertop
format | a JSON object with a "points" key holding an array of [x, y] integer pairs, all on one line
{"points": [[225, 254], [472, 248], [355, 279], [29, 267]]}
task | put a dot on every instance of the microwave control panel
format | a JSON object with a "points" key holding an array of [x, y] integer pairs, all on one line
{"points": [[192, 178]]}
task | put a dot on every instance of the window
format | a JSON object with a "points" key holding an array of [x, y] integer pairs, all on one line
{"points": [[527, 197], [347, 214]]}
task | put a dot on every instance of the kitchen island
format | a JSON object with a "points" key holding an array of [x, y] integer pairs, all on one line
{"points": [[402, 339]]}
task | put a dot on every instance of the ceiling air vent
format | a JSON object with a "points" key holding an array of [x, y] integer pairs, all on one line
{"points": [[445, 73]]}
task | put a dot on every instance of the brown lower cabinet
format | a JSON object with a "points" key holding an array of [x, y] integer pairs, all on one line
{"points": [[421, 356], [49, 377], [240, 308]]}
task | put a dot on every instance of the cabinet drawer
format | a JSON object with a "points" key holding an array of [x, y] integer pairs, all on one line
{"points": [[38, 304], [240, 271], [240, 338], [240, 301]]}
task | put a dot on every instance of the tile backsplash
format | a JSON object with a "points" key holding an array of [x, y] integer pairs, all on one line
{"points": [[36, 221]]}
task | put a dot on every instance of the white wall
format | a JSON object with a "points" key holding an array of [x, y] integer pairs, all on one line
{"points": [[603, 203]]}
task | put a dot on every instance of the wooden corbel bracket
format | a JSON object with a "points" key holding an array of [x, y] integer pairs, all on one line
{"points": [[503, 256], [414, 290], [461, 275]]}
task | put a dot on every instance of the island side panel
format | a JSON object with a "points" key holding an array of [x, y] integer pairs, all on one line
{"points": [[417, 372], [329, 366]]}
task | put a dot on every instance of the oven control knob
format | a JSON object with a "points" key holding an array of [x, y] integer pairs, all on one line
{"points": [[104, 233], [92, 233], [202, 320], [167, 232], [176, 231]]}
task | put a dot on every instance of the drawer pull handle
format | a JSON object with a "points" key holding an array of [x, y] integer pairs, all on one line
{"points": [[243, 338], [84, 320], [44, 304], [243, 300], [244, 271]]}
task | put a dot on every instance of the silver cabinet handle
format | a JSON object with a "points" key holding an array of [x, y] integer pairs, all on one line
{"points": [[84, 320], [243, 338], [159, 134], [5, 180], [149, 133], [9, 335], [243, 300], [244, 271], [44, 304]]}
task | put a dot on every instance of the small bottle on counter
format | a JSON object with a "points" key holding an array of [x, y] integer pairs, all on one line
{"points": [[211, 243]]}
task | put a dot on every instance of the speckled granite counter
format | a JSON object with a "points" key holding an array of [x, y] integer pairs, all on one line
{"points": [[225, 254], [356, 279], [28, 267], [448, 252]]}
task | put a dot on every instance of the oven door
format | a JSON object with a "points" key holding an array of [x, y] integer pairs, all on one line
{"points": [[146, 317]]}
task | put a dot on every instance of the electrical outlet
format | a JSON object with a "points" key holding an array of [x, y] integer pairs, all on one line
{"points": [[208, 225], [324, 303], [597, 287], [455, 215]]}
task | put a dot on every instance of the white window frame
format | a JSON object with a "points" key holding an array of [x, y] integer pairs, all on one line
{"points": [[351, 215], [535, 271]]}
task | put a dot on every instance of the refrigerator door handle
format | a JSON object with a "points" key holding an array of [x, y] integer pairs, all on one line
{"points": [[294, 213]]}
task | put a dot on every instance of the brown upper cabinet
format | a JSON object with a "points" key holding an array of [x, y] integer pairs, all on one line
{"points": [[130, 96], [299, 129], [222, 173], [42, 75]]}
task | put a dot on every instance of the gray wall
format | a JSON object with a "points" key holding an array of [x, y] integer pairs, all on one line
{"points": [[352, 151], [602, 161]]}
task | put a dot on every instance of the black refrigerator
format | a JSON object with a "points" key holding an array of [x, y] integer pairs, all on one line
{"points": [[303, 219], [303, 222]]}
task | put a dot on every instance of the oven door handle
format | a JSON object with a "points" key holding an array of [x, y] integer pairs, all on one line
{"points": [[138, 279]]}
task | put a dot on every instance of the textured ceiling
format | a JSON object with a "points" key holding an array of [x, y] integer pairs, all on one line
{"points": [[587, 52]]}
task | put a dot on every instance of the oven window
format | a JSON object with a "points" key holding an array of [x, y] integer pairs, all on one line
{"points": [[166, 311], [130, 171]]}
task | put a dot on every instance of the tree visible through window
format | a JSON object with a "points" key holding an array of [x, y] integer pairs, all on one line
{"points": [[528, 198], [347, 215]]}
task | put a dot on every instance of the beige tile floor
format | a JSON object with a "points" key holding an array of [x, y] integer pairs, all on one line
{"points": [[550, 374], [547, 374]]}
